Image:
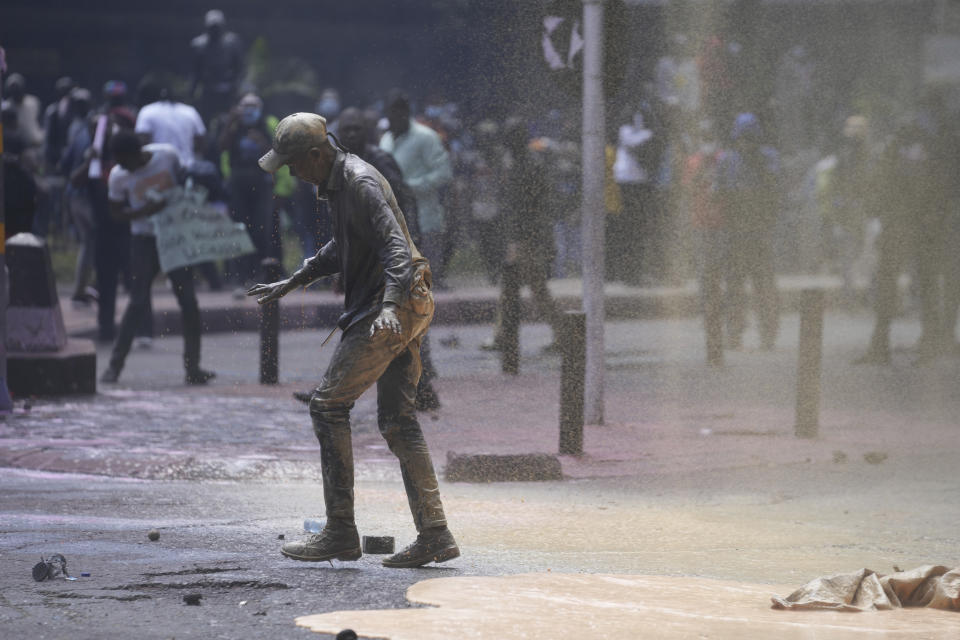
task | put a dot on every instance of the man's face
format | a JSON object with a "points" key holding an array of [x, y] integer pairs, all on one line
{"points": [[352, 132], [399, 116], [310, 166]]}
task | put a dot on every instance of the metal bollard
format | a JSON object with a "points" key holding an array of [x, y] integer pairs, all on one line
{"points": [[810, 354], [510, 311], [713, 325], [270, 327], [573, 340]]}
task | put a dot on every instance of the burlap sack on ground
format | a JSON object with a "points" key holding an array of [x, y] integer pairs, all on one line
{"points": [[932, 586]]}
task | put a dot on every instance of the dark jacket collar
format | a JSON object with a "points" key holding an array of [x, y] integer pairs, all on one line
{"points": [[335, 181]]}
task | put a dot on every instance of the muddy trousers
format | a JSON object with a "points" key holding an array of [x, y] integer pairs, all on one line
{"points": [[393, 363]]}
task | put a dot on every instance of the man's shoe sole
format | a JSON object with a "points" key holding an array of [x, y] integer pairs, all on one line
{"points": [[443, 555], [346, 556]]}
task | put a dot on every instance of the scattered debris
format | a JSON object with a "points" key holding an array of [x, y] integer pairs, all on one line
{"points": [[378, 544], [281, 537], [839, 457], [40, 571], [193, 599], [50, 568], [452, 341], [260, 613], [875, 457], [242, 603], [84, 574], [314, 525], [153, 535]]}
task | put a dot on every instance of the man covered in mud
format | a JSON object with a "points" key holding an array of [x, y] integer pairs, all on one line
{"points": [[388, 308]]}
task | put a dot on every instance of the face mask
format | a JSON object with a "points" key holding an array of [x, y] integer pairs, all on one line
{"points": [[250, 117]]}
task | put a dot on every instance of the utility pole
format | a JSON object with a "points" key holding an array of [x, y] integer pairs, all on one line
{"points": [[6, 406], [593, 210]]}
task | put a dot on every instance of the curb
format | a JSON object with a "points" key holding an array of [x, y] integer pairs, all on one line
{"points": [[450, 310], [488, 467]]}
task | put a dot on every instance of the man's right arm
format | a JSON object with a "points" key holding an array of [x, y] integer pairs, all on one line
{"points": [[322, 264], [325, 263]]}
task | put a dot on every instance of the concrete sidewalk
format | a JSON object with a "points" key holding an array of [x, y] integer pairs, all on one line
{"points": [[468, 303], [667, 413]]}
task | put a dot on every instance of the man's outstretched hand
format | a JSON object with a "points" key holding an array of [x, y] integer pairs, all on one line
{"points": [[387, 320], [272, 291]]}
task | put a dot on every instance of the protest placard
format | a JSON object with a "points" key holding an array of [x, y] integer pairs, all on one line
{"points": [[190, 231]]}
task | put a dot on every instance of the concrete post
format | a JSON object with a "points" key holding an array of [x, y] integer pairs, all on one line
{"points": [[713, 320], [6, 405], [810, 353], [270, 327], [593, 209], [572, 338]]}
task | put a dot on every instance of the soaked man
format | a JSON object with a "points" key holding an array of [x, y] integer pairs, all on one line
{"points": [[388, 308]]}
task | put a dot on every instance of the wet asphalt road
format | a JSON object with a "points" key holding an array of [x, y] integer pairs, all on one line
{"points": [[781, 524], [222, 472]]}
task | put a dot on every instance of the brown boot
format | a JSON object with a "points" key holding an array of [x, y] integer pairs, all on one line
{"points": [[329, 544], [431, 545]]}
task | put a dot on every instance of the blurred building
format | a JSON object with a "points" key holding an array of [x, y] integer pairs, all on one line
{"points": [[459, 47]]}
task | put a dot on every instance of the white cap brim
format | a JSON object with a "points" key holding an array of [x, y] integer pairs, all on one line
{"points": [[272, 161]]}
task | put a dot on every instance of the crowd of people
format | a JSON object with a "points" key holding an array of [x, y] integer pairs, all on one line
{"points": [[700, 177], [715, 177]]}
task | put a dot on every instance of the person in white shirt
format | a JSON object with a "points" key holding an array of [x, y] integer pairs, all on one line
{"points": [[136, 185], [162, 119], [634, 233], [426, 168]]}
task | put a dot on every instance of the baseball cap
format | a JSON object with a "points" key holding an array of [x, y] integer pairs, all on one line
{"points": [[295, 133]]}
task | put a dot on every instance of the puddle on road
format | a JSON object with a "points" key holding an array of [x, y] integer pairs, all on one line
{"points": [[562, 606]]}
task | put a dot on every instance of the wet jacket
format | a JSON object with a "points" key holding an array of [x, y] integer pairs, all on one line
{"points": [[389, 169], [371, 247]]}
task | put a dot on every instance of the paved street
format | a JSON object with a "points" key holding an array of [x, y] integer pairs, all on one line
{"points": [[696, 473]]}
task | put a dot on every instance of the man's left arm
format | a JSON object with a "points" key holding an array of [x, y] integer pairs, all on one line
{"points": [[387, 240], [391, 246]]}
